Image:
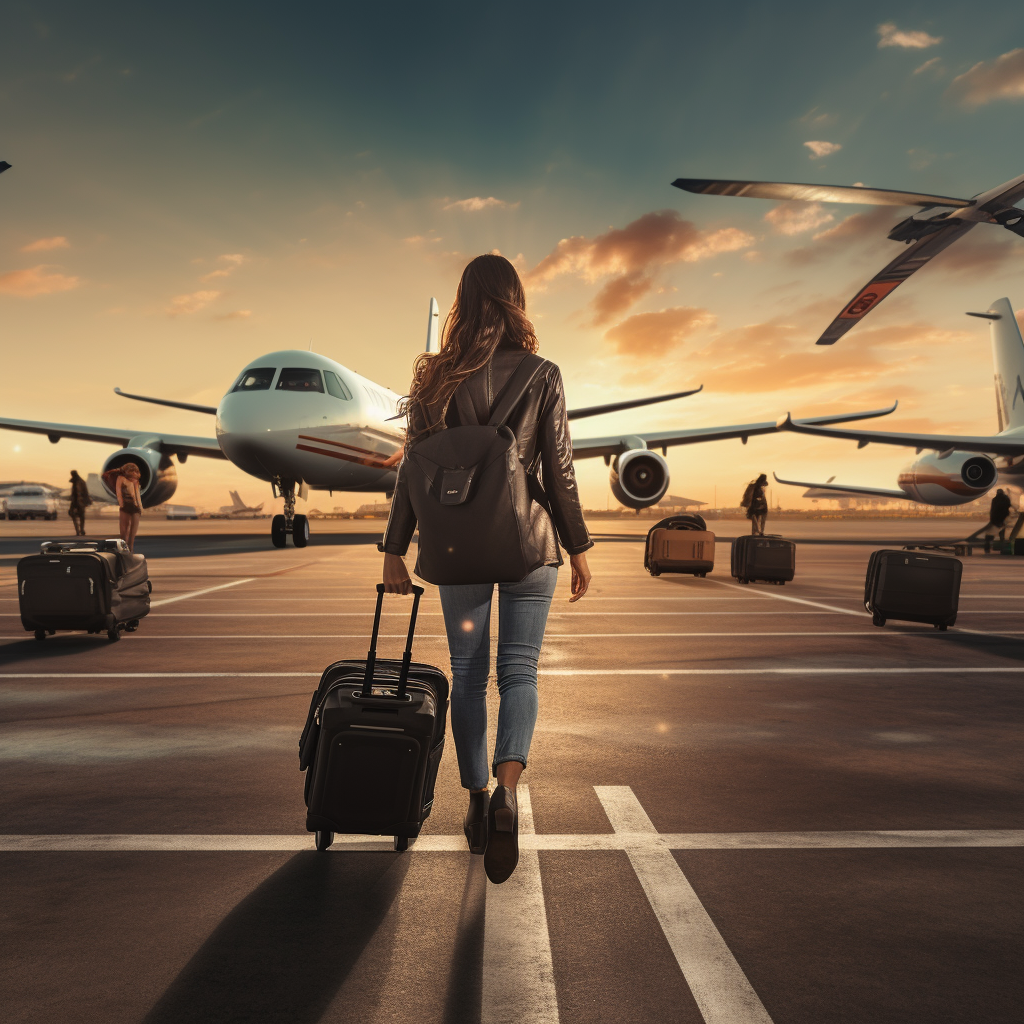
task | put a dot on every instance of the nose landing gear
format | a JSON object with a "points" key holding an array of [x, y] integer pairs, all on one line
{"points": [[282, 525]]}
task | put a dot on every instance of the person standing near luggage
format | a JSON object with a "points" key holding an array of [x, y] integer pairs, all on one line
{"points": [[80, 499], [485, 339], [756, 504], [998, 511], [129, 501]]}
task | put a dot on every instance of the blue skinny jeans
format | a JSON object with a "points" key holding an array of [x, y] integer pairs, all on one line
{"points": [[522, 615]]}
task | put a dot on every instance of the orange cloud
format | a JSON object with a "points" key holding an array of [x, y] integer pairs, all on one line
{"points": [[46, 244], [235, 314], [36, 281], [633, 255], [999, 79], [820, 148], [872, 226], [796, 218], [890, 35], [191, 303], [655, 334], [477, 203], [979, 255], [232, 262]]}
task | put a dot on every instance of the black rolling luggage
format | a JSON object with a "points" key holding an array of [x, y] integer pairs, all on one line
{"points": [[95, 585], [373, 742], [913, 587], [771, 559]]}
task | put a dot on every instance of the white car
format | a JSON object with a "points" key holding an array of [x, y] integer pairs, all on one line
{"points": [[31, 503]]}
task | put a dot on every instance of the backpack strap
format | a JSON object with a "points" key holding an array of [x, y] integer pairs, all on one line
{"points": [[467, 414], [515, 388]]}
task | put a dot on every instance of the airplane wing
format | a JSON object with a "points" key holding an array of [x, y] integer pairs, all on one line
{"points": [[892, 276], [595, 447], [875, 492], [180, 444], [815, 193], [635, 403], [211, 409], [998, 444]]}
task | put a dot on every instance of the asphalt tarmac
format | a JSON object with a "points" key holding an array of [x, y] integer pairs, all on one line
{"points": [[743, 804]]}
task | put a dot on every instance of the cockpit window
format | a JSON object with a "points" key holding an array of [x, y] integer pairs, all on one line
{"points": [[336, 386], [300, 380], [258, 379]]}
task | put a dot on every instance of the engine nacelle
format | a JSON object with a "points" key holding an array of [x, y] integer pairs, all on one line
{"points": [[954, 480], [158, 479], [639, 478]]}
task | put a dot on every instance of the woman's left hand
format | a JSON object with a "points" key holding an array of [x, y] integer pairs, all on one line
{"points": [[396, 576]]}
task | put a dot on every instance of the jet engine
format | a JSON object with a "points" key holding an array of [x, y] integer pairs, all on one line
{"points": [[639, 478], [158, 479], [952, 479]]}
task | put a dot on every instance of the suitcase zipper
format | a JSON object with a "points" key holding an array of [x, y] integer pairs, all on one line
{"points": [[23, 582], [91, 588]]}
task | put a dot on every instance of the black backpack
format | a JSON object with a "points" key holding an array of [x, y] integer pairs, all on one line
{"points": [[472, 495]]}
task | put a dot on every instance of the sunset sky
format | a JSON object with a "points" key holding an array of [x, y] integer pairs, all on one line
{"points": [[197, 185]]}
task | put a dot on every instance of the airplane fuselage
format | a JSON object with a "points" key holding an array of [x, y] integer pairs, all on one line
{"points": [[299, 416]]}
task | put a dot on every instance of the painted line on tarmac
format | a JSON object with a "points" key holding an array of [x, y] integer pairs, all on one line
{"points": [[601, 842], [518, 976], [720, 988], [794, 600], [198, 593], [823, 671]]}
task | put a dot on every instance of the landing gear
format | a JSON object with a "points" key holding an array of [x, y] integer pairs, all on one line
{"points": [[282, 525]]}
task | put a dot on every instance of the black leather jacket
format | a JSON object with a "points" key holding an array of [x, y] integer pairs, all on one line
{"points": [[541, 426]]}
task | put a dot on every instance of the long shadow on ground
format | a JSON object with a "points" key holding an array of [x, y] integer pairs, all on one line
{"points": [[281, 955]]}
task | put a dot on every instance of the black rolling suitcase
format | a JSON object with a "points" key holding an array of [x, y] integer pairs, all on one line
{"points": [[771, 559], [913, 587], [95, 585], [373, 742]]}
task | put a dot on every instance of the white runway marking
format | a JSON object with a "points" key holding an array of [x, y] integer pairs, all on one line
{"points": [[823, 671], [518, 977], [197, 593], [719, 986], [793, 600], [881, 634], [601, 842]]}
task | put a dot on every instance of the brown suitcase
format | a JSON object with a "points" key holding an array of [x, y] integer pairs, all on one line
{"points": [[680, 544]]}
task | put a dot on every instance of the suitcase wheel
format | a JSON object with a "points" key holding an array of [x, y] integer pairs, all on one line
{"points": [[742, 579], [40, 634], [700, 574], [401, 843], [131, 626], [113, 634], [877, 620], [323, 839], [655, 569], [941, 625]]}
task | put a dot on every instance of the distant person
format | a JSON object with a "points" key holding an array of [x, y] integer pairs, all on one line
{"points": [[129, 500], [485, 340], [80, 500], [998, 511], [756, 504]]}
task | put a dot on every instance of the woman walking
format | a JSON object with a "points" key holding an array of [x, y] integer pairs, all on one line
{"points": [[485, 339], [129, 500]]}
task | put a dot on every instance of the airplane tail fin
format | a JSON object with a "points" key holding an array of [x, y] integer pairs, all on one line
{"points": [[432, 338], [236, 501], [1008, 360]]}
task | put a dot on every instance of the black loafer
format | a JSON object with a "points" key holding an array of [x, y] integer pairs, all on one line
{"points": [[502, 853], [475, 825]]}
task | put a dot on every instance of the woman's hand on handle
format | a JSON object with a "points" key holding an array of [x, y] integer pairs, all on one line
{"points": [[580, 576], [396, 576]]}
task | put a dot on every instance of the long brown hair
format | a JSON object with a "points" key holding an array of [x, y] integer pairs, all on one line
{"points": [[489, 307]]}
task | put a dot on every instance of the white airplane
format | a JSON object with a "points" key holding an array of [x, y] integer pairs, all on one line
{"points": [[930, 234], [299, 420], [959, 468], [238, 508]]}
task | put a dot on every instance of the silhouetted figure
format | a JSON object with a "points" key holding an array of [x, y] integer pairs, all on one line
{"points": [[130, 502], [80, 500], [998, 511], [756, 504]]}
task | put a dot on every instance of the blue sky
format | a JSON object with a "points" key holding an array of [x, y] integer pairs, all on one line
{"points": [[230, 179]]}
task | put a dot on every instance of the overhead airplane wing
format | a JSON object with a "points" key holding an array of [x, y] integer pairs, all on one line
{"points": [[815, 193], [170, 443], [875, 492], [595, 447], [635, 403], [997, 444], [211, 409], [890, 277]]}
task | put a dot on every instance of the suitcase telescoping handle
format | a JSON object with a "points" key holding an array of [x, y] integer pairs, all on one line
{"points": [[371, 655]]}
